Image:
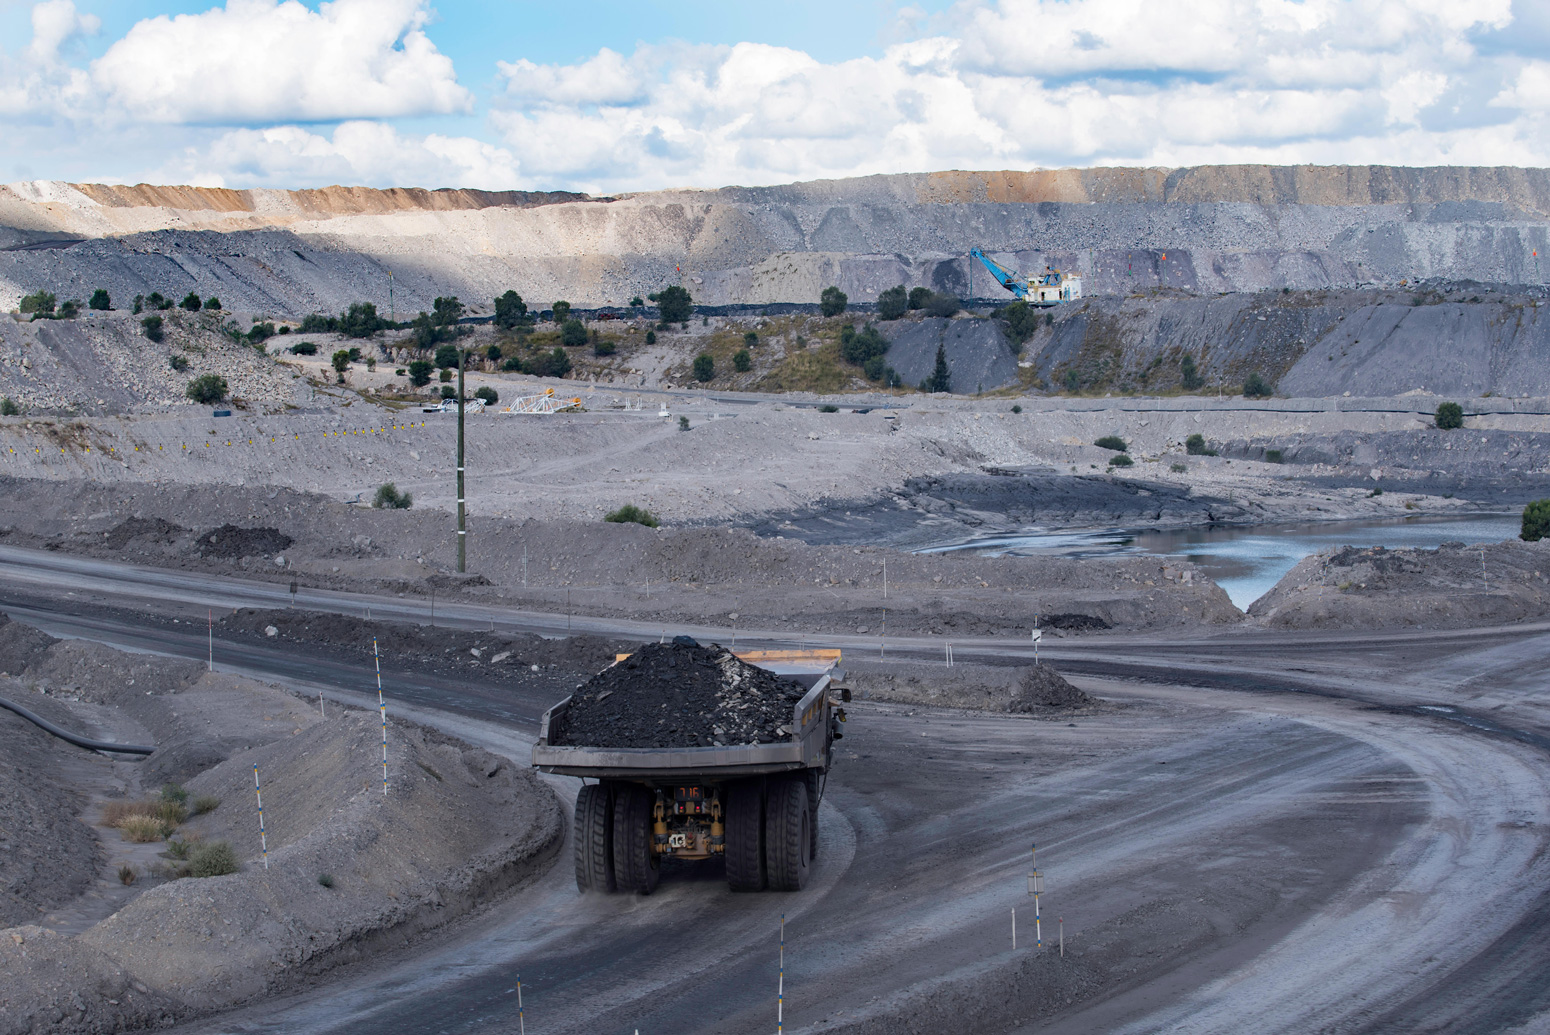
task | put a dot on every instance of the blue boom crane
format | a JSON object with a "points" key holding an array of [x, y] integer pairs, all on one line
{"points": [[1051, 288]]}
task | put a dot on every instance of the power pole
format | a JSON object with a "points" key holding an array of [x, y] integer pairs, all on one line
{"points": [[462, 526]]}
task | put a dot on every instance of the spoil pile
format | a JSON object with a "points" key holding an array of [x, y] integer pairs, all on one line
{"points": [[1042, 689], [679, 694]]}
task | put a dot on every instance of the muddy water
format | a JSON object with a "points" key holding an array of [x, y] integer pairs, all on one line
{"points": [[1246, 560]]}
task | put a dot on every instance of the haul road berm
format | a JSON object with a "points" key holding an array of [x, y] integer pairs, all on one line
{"points": [[755, 805]]}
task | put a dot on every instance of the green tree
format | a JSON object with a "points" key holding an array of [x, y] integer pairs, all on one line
{"points": [[859, 347], [448, 392], [1021, 319], [919, 297], [8, 407], [446, 357], [942, 305], [1256, 387], [420, 373], [1536, 521], [631, 514], [39, 303], [260, 332], [488, 394], [651, 337], [212, 304], [389, 498], [742, 361], [100, 300], [192, 302], [604, 348], [207, 388], [341, 362], [446, 311], [1189, 377], [561, 312], [940, 380], [704, 367], [750, 340], [1450, 416], [555, 363], [893, 303], [156, 302], [573, 333], [360, 321], [152, 326], [832, 301], [1195, 445], [493, 353], [510, 310], [674, 304]]}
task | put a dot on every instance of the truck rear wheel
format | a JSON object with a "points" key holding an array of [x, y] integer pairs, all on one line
{"points": [[788, 835], [745, 836], [594, 838], [635, 864]]}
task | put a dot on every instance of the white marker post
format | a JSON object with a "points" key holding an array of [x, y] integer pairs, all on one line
{"points": [[1036, 888], [521, 1024], [1014, 930], [381, 707], [1038, 634], [780, 997], [263, 838], [211, 617]]}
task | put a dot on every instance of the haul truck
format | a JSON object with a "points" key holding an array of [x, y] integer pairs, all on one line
{"points": [[756, 806]]}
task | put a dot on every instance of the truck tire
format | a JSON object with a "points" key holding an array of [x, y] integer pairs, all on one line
{"points": [[594, 836], [788, 835], [812, 807], [635, 864], [745, 836]]}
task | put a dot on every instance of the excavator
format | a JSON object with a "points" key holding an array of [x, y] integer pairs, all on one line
{"points": [[1049, 289]]}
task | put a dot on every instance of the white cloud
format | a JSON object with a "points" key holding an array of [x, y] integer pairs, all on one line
{"points": [[54, 22], [258, 61]]}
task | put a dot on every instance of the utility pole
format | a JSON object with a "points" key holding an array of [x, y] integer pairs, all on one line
{"points": [[462, 525]]}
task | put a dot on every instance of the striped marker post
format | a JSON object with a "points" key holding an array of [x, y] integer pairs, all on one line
{"points": [[780, 996], [263, 838], [521, 1024], [381, 707]]}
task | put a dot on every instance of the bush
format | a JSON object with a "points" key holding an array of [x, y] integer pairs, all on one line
{"points": [[1177, 468], [203, 803], [8, 407], [1256, 387], [448, 392], [213, 859], [942, 305], [317, 323], [446, 311], [919, 297], [1072, 382], [893, 303], [389, 498], [750, 340], [488, 394], [940, 379], [651, 337], [1021, 319], [1450, 416], [341, 360], [100, 300], [261, 332], [874, 369], [174, 792], [742, 361], [126, 875], [39, 303], [1273, 456], [828, 408], [70, 309], [674, 304], [631, 514], [493, 353], [155, 300], [1195, 445], [213, 304], [561, 312], [832, 301], [604, 348], [510, 310], [704, 367], [573, 333], [1536, 521], [512, 365], [1016, 408], [683, 423], [419, 372], [555, 363], [1113, 442], [304, 348], [637, 302], [1189, 377], [208, 388], [326, 879], [446, 357], [178, 363], [859, 347], [444, 376], [152, 327], [1120, 460], [192, 302], [143, 829]]}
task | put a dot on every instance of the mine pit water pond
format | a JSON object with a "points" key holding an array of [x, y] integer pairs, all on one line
{"points": [[1246, 560]]}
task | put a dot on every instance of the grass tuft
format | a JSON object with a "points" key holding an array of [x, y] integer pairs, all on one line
{"points": [[213, 859], [203, 803]]}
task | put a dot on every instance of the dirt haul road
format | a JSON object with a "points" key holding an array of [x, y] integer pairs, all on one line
{"points": [[1370, 855]]}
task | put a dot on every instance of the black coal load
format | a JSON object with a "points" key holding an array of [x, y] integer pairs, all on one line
{"points": [[679, 694]]}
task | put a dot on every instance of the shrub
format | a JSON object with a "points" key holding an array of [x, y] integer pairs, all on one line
{"points": [[207, 388], [420, 372], [704, 367], [604, 348], [317, 323], [1273, 456], [893, 303], [942, 305], [389, 498], [261, 332], [1073, 383], [828, 408], [176, 362], [573, 333], [126, 875], [327, 879], [359, 321], [448, 392], [832, 301], [1021, 319], [1536, 521], [174, 792], [493, 353], [859, 347], [341, 360], [510, 310], [750, 340], [742, 361], [555, 363], [70, 309], [1177, 468], [1195, 445], [561, 312], [1120, 460], [683, 423], [152, 327], [192, 302], [8, 407], [100, 300], [142, 829], [651, 337], [874, 368], [444, 376], [213, 859], [139, 304], [940, 379], [156, 301], [1189, 377], [39, 303], [674, 304], [204, 803], [1256, 387], [514, 365], [488, 394], [631, 514], [446, 357], [1375, 492], [213, 304], [637, 302], [1450, 416], [304, 348], [919, 297], [1113, 442]]}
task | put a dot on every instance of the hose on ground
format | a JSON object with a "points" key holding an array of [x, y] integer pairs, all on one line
{"points": [[66, 735]]}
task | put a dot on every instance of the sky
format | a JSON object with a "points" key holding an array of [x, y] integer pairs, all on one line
{"points": [[607, 97]]}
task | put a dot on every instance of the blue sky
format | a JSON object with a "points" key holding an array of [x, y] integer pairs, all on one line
{"points": [[608, 97]]}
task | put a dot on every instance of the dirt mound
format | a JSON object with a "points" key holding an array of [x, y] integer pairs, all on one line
{"points": [[1070, 622], [680, 694], [126, 531], [19, 645], [234, 541], [1042, 689]]}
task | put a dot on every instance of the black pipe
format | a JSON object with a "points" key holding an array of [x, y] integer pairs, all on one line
{"points": [[94, 745]]}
